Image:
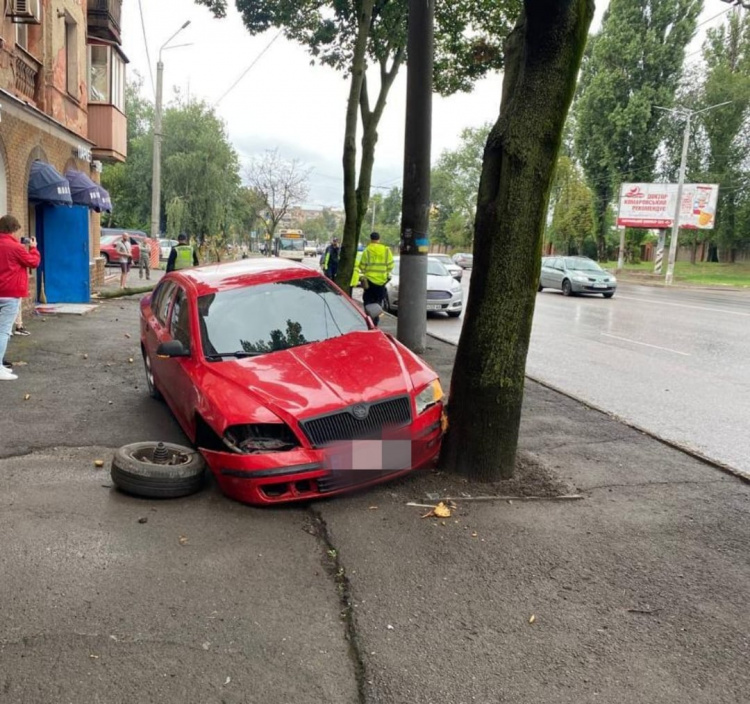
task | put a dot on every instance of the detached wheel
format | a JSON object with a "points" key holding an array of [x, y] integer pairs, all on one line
{"points": [[150, 382], [567, 289], [157, 470], [608, 295]]}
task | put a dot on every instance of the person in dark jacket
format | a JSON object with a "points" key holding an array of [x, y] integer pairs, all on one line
{"points": [[182, 256], [15, 262], [331, 259]]}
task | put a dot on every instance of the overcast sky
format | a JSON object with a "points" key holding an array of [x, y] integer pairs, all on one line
{"points": [[283, 102]]}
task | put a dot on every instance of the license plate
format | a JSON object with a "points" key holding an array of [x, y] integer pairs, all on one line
{"points": [[434, 307], [600, 286]]}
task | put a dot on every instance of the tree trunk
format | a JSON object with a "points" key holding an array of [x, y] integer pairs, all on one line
{"points": [[370, 122], [359, 67], [694, 252], [543, 55], [603, 197]]}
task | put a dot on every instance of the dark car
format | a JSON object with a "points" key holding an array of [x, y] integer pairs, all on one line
{"points": [[573, 275], [287, 389], [110, 237]]}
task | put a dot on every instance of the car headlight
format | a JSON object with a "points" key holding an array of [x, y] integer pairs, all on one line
{"points": [[429, 396], [612, 280], [260, 438], [580, 279]]}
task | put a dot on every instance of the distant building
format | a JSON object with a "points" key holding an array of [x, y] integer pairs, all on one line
{"points": [[62, 104]]}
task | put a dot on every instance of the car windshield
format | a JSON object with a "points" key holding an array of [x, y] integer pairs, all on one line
{"points": [[575, 264], [442, 258], [291, 245], [436, 268], [277, 316]]}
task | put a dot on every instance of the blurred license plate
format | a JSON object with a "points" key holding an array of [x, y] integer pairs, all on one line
{"points": [[434, 307], [600, 285]]}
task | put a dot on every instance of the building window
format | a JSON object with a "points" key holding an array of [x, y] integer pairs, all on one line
{"points": [[106, 76], [71, 57], [22, 36]]}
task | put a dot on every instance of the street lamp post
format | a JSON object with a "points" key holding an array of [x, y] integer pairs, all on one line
{"points": [[156, 166], [688, 115]]}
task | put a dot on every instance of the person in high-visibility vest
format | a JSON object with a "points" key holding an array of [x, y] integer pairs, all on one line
{"points": [[375, 266], [331, 259], [356, 276], [182, 256]]}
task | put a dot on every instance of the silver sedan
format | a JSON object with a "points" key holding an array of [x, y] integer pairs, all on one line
{"points": [[573, 275], [444, 293]]}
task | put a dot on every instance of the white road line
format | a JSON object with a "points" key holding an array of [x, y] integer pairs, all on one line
{"points": [[655, 302], [645, 344]]}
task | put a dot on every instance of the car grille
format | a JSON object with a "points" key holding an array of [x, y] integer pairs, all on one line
{"points": [[438, 295], [344, 480], [342, 426]]}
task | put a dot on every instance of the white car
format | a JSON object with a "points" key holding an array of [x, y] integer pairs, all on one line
{"points": [[453, 269], [165, 247], [444, 293]]}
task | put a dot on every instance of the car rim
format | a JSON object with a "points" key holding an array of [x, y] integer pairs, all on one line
{"points": [[149, 373], [160, 454]]}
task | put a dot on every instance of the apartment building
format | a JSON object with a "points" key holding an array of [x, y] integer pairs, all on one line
{"points": [[62, 114]]}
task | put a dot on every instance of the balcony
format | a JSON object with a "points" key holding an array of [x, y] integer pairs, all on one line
{"points": [[104, 19], [27, 73], [108, 130]]}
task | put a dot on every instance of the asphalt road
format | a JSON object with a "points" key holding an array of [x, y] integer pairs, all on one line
{"points": [[674, 362]]}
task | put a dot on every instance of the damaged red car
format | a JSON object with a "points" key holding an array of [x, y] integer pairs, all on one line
{"points": [[287, 389]]}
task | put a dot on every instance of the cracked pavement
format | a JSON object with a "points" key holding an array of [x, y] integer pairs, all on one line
{"points": [[639, 591]]}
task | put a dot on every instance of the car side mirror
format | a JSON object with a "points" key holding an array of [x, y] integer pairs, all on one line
{"points": [[173, 348]]}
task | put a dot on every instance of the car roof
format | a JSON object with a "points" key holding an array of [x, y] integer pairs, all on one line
{"points": [[211, 278]]}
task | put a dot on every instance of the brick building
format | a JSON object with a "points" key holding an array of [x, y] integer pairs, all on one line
{"points": [[62, 79]]}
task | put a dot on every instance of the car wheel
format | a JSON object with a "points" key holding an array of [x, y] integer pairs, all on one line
{"points": [[453, 313], [150, 381], [158, 470], [608, 295], [567, 289]]}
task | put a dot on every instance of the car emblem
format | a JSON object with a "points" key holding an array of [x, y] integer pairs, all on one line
{"points": [[360, 411]]}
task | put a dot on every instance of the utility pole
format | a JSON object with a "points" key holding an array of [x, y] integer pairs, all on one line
{"points": [[688, 115], [156, 164], [415, 209]]}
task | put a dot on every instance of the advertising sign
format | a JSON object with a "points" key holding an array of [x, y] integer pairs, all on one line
{"points": [[652, 205]]}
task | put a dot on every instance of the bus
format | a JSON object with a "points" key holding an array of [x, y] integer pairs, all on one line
{"points": [[289, 244]]}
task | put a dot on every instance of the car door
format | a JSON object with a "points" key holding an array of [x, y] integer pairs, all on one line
{"points": [[155, 331], [177, 373], [544, 274], [556, 273]]}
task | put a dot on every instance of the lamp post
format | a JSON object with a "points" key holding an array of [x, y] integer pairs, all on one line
{"points": [[156, 166], [688, 115]]}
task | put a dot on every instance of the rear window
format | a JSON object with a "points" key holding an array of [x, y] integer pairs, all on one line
{"points": [[277, 316]]}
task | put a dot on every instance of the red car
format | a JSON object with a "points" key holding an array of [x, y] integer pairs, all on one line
{"points": [[107, 245], [287, 389]]}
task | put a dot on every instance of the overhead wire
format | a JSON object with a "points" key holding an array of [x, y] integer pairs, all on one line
{"points": [[148, 54]]}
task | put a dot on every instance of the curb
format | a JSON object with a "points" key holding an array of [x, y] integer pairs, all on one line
{"points": [[695, 454]]}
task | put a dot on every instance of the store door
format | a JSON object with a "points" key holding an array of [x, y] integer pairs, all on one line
{"points": [[63, 235]]}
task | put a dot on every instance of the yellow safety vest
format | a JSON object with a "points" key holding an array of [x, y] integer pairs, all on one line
{"points": [[376, 263], [184, 258], [356, 275]]}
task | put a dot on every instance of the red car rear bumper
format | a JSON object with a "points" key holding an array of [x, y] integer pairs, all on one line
{"points": [[305, 473]]}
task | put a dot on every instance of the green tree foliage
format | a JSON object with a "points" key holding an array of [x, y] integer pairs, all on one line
{"points": [[350, 36], [632, 65], [573, 215]]}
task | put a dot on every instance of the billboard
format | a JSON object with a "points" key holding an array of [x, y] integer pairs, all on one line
{"points": [[652, 205]]}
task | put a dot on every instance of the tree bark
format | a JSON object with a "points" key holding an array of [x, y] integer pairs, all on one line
{"points": [[543, 55], [359, 68], [370, 122]]}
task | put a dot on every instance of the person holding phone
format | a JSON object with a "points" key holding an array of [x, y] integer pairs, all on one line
{"points": [[15, 262]]}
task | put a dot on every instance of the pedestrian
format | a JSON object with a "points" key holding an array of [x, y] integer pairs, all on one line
{"points": [[375, 266], [15, 262], [182, 256], [125, 256], [19, 329], [331, 259], [144, 259]]}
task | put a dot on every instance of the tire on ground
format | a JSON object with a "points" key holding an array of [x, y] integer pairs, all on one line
{"points": [[157, 481]]}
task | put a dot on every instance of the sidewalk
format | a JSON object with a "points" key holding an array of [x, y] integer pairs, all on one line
{"points": [[639, 591]]}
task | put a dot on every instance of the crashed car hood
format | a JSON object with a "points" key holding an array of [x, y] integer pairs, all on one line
{"points": [[320, 377]]}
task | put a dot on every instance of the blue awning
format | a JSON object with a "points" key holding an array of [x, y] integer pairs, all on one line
{"points": [[106, 201], [46, 185], [83, 190]]}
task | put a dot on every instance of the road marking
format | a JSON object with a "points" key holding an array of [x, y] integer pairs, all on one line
{"points": [[653, 302], [645, 344]]}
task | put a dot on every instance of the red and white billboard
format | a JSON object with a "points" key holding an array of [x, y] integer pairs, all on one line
{"points": [[652, 205]]}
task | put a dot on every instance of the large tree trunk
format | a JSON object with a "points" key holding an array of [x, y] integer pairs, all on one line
{"points": [[370, 122], [359, 67], [543, 55]]}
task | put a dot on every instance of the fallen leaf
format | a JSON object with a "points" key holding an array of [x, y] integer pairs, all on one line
{"points": [[442, 511], [127, 334], [27, 397], [228, 680], [98, 463], [373, 508], [94, 657], [532, 619], [183, 540], [474, 534]]}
